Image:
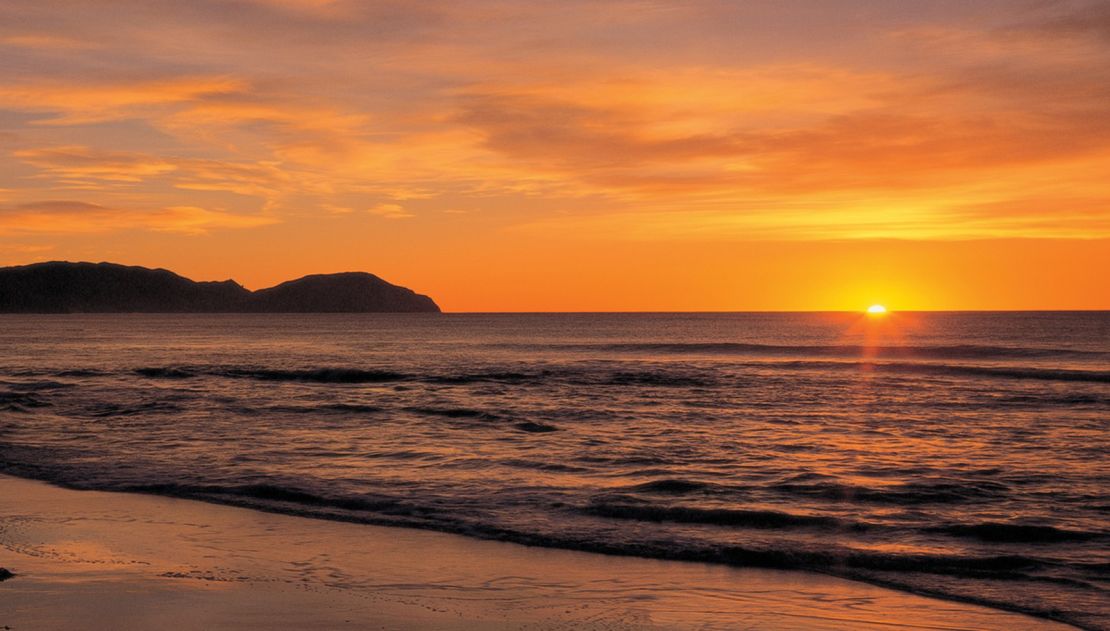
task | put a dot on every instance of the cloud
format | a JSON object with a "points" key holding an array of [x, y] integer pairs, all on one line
{"points": [[78, 166], [46, 42], [70, 217], [901, 144], [77, 162], [1088, 20], [839, 218], [80, 102], [737, 116], [390, 211]]}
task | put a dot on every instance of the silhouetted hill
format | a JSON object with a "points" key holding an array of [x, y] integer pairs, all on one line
{"points": [[106, 287], [347, 292], [62, 287]]}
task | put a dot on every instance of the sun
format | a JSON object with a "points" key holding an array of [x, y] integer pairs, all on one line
{"points": [[876, 310]]}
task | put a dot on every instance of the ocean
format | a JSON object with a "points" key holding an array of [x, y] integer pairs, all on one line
{"points": [[962, 455]]}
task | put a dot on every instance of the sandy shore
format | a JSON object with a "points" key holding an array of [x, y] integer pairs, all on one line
{"points": [[93, 560]]}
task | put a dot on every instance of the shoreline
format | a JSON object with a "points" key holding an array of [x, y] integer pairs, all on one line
{"points": [[118, 560]]}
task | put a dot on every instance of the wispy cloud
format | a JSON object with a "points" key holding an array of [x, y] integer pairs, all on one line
{"points": [[390, 211], [80, 102], [46, 42], [69, 217], [730, 116]]}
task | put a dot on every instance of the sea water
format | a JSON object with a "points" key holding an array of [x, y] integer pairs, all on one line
{"points": [[965, 455]]}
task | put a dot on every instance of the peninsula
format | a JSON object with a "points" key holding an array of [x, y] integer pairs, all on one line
{"points": [[64, 287]]}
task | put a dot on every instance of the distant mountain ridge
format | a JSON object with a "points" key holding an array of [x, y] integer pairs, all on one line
{"points": [[64, 287]]}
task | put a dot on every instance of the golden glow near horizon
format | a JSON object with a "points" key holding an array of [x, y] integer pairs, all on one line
{"points": [[617, 155], [876, 310]]}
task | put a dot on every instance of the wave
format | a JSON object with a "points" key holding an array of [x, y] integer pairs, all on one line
{"points": [[488, 376], [959, 370], [671, 487], [340, 375], [314, 375], [343, 408], [1054, 398], [760, 519], [268, 492], [166, 372], [957, 351], [894, 569], [103, 409], [670, 380], [384, 509], [74, 372], [36, 386], [530, 427], [576, 376], [909, 494], [996, 532], [539, 465], [659, 377], [900, 570], [454, 413], [334, 408], [81, 372], [1047, 374], [21, 401], [317, 375], [535, 428]]}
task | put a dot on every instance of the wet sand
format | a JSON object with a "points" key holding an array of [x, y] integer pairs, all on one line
{"points": [[93, 560]]}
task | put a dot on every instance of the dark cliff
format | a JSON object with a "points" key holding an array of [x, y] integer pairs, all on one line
{"points": [[61, 287]]}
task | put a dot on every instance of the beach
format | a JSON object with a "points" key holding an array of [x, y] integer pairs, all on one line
{"points": [[104, 560]]}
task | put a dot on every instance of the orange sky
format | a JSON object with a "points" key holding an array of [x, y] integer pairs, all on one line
{"points": [[580, 155]]}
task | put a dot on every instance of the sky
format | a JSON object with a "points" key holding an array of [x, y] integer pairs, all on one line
{"points": [[581, 155]]}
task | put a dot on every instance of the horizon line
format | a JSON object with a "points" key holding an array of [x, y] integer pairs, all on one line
{"points": [[630, 312]]}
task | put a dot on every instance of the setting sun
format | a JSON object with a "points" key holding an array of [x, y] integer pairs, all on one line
{"points": [[876, 310]]}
